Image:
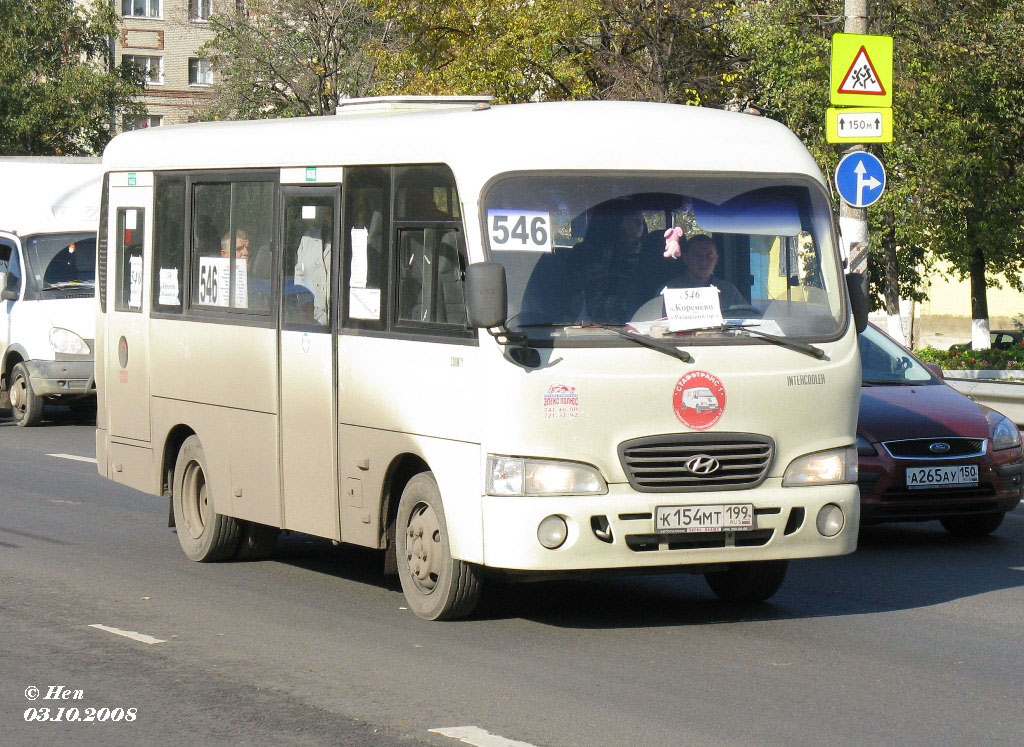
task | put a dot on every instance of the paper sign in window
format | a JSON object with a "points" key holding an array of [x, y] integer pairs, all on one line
{"points": [[214, 281], [309, 212], [523, 230], [169, 294], [364, 303], [692, 308], [131, 218], [357, 277], [135, 282], [241, 283]]}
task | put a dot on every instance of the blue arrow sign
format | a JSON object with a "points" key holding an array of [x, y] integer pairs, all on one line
{"points": [[860, 179]]}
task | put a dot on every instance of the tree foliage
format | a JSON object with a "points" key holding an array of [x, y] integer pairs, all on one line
{"points": [[281, 58], [57, 95]]}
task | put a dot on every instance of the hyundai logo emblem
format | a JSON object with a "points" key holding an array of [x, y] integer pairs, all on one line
{"points": [[702, 464], [939, 447]]}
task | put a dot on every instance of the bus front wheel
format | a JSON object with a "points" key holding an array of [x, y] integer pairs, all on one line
{"points": [[748, 582], [203, 534], [436, 586]]}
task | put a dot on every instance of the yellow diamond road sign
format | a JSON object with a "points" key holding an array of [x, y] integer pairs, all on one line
{"points": [[859, 125], [861, 70]]}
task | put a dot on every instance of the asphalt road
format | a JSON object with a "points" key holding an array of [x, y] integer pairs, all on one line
{"points": [[915, 639]]}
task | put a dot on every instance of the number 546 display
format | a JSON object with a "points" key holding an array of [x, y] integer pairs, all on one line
{"points": [[525, 230]]}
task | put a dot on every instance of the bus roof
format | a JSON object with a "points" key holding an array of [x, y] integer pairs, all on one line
{"points": [[482, 141]]}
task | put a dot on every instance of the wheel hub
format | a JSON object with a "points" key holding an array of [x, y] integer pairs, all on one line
{"points": [[423, 547]]}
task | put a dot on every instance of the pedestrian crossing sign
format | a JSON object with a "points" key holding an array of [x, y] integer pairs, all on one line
{"points": [[861, 70]]}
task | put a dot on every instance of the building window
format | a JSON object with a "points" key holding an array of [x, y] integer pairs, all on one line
{"points": [[199, 10], [140, 123], [141, 8], [152, 67], [199, 72]]}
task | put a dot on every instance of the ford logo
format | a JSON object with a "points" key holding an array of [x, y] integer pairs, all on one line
{"points": [[702, 464], [939, 447]]}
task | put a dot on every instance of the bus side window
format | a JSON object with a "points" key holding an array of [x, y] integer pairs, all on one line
{"points": [[169, 244], [367, 193], [131, 222]]}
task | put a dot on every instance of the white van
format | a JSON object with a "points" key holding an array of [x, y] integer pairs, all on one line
{"points": [[49, 210], [700, 399]]}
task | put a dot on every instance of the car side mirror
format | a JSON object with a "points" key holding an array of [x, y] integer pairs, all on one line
{"points": [[486, 295], [857, 286], [9, 286], [935, 368]]}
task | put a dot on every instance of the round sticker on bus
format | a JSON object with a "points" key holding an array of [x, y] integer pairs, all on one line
{"points": [[699, 400]]}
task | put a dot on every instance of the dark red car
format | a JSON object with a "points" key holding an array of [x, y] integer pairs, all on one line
{"points": [[927, 451]]}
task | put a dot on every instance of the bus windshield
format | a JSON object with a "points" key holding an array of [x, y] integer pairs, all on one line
{"points": [[665, 255], [61, 260]]}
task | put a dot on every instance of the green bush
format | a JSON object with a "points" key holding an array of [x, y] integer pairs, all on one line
{"points": [[996, 360]]}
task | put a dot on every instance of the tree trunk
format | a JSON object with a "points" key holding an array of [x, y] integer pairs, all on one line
{"points": [[980, 338], [892, 291]]}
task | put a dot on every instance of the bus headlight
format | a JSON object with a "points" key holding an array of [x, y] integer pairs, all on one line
{"points": [[823, 468], [65, 341], [518, 476]]}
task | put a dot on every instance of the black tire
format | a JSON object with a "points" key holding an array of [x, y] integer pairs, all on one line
{"points": [[979, 525], [436, 586], [257, 541], [748, 582], [203, 534], [26, 405]]}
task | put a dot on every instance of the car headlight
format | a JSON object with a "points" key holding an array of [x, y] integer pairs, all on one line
{"points": [[1005, 434], [823, 468], [864, 447], [518, 476], [65, 341]]}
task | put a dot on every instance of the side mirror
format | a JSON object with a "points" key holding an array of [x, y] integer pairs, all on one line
{"points": [[486, 295], [857, 286], [9, 286], [935, 368]]}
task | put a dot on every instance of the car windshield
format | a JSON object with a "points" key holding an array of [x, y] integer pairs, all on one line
{"points": [[665, 255], [885, 362], [61, 260]]}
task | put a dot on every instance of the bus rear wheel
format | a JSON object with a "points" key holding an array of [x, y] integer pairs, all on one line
{"points": [[748, 582], [26, 405], [436, 586], [203, 534]]}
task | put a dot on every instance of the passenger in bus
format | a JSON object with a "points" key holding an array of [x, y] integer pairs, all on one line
{"points": [[241, 245], [255, 296], [312, 263], [699, 258]]}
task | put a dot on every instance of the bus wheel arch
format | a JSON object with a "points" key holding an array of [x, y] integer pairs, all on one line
{"points": [[436, 585], [402, 469], [172, 445], [204, 535]]}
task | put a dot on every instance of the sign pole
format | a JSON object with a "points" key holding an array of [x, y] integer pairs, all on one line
{"points": [[853, 222]]}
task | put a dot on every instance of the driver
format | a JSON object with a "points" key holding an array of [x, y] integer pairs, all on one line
{"points": [[699, 259]]}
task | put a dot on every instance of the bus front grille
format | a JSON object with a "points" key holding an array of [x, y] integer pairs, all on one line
{"points": [[680, 462]]}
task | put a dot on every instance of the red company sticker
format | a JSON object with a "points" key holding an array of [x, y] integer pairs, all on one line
{"points": [[699, 400], [561, 401]]}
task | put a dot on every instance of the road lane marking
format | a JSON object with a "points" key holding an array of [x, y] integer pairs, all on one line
{"points": [[74, 458], [479, 737], [141, 637]]}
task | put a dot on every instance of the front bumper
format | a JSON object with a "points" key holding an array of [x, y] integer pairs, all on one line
{"points": [[616, 531], [50, 378], [884, 496]]}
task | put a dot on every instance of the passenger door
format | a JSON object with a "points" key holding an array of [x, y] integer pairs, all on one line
{"points": [[129, 264], [307, 374]]}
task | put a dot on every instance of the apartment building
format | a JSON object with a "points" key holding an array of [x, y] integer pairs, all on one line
{"points": [[163, 38]]}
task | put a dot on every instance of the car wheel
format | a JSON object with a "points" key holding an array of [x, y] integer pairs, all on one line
{"points": [[436, 586], [203, 534], [972, 526], [748, 582], [26, 406]]}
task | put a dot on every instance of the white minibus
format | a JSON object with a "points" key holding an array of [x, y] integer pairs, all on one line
{"points": [[49, 212], [465, 335]]}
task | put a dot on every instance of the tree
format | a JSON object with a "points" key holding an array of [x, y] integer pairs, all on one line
{"points": [[57, 95], [281, 58]]}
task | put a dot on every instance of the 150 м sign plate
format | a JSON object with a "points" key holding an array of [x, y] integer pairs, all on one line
{"points": [[859, 125]]}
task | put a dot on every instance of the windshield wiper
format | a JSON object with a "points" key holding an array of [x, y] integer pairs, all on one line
{"points": [[647, 342], [801, 347], [70, 284], [890, 382]]}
